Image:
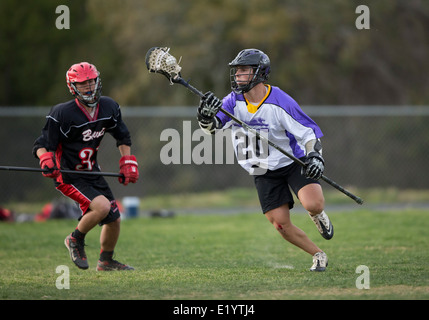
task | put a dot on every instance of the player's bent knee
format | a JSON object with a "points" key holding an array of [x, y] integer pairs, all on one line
{"points": [[101, 206], [282, 227], [315, 206]]}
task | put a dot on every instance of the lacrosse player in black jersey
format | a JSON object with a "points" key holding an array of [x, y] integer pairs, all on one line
{"points": [[70, 140]]}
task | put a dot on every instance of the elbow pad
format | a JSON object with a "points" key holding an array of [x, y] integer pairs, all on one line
{"points": [[314, 145]]}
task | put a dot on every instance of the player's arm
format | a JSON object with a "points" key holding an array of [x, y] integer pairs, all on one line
{"points": [[128, 165], [40, 152], [47, 162], [314, 145], [42, 148], [206, 113], [125, 150], [307, 133]]}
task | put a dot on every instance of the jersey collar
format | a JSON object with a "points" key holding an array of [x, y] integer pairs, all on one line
{"points": [[90, 117], [253, 108]]}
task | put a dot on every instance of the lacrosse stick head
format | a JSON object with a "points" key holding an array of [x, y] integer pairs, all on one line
{"points": [[159, 60]]}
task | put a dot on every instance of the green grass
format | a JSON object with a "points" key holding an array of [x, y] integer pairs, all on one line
{"points": [[248, 198], [223, 257]]}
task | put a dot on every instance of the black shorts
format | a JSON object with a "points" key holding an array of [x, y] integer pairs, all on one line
{"points": [[273, 186], [83, 191]]}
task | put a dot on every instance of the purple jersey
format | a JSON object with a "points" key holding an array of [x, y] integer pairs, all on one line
{"points": [[279, 118]]}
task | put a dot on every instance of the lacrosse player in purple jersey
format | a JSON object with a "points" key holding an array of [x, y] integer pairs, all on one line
{"points": [[70, 140], [274, 113]]}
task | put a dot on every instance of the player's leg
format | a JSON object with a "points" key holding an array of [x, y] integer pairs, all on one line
{"points": [[108, 239], [109, 236], [311, 197], [97, 210], [276, 201], [94, 207], [280, 218], [310, 194]]}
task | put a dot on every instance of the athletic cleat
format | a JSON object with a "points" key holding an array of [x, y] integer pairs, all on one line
{"points": [[320, 261], [323, 224], [77, 251], [112, 265]]}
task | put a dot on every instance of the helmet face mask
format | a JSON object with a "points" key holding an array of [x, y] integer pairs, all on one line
{"points": [[258, 61], [87, 96], [82, 73], [243, 78]]}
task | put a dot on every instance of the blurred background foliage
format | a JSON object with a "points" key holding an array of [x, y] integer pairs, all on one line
{"points": [[317, 53]]}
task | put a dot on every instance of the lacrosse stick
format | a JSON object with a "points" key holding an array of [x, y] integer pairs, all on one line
{"points": [[93, 173], [159, 60]]}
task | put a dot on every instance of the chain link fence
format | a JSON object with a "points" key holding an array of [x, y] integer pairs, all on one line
{"points": [[363, 146]]}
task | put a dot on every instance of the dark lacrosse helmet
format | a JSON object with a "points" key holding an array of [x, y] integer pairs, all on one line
{"points": [[260, 63]]}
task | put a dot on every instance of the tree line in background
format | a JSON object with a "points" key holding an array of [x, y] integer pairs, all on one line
{"points": [[317, 53]]}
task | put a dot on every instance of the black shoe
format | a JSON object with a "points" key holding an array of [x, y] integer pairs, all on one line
{"points": [[112, 265], [77, 251]]}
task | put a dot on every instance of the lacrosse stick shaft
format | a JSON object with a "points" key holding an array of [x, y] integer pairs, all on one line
{"points": [[91, 173], [287, 154]]}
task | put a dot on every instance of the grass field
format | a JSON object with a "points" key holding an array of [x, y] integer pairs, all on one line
{"points": [[223, 257]]}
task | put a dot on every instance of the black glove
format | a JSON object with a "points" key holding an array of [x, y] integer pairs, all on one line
{"points": [[314, 166], [209, 107]]}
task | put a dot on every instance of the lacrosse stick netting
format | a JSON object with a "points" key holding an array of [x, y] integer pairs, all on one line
{"points": [[158, 60]]}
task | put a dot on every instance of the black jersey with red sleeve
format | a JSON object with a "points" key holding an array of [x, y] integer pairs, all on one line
{"points": [[75, 136]]}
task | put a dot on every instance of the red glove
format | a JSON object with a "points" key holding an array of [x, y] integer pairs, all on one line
{"points": [[47, 162], [129, 168]]}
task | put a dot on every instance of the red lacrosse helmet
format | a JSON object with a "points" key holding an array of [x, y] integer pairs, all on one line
{"points": [[81, 72]]}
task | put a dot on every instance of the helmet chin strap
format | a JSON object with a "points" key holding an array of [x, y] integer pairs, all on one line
{"points": [[92, 105], [86, 104], [82, 101]]}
